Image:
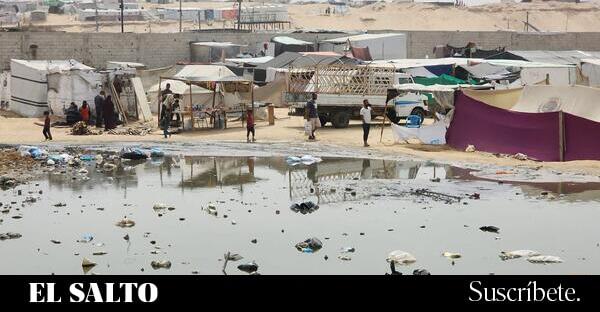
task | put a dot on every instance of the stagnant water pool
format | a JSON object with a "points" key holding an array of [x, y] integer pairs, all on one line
{"points": [[367, 204]]}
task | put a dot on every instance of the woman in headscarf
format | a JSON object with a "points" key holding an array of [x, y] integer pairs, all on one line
{"points": [[109, 113]]}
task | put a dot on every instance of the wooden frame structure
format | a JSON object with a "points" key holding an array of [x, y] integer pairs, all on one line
{"points": [[228, 84], [341, 79]]}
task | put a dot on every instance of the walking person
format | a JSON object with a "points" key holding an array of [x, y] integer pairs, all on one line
{"points": [[250, 125], [365, 115], [99, 106], [46, 130], [165, 122], [312, 116]]}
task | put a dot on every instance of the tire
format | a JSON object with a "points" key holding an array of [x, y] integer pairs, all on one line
{"points": [[419, 112], [340, 120], [323, 120]]}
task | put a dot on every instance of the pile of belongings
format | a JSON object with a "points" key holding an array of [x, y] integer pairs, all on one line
{"points": [[305, 160], [34, 152], [304, 208], [133, 153], [138, 130], [81, 128]]}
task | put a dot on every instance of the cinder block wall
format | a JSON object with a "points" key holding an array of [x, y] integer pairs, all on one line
{"points": [[158, 49]]}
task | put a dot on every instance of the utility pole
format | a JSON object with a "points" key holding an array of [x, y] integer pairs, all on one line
{"points": [[122, 25], [96, 6], [180, 17], [239, 14]]}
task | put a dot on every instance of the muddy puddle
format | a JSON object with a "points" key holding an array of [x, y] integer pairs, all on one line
{"points": [[191, 210]]}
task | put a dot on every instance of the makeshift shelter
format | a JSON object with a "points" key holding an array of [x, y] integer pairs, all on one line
{"points": [[210, 52], [4, 88], [534, 72], [282, 44], [197, 94], [230, 94], [590, 69], [287, 59], [570, 57], [546, 136], [381, 46], [38, 86]]}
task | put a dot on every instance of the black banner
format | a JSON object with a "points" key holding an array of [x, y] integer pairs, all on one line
{"points": [[333, 291]]}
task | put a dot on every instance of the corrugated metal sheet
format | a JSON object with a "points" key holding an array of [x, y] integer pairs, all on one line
{"points": [[572, 57]]}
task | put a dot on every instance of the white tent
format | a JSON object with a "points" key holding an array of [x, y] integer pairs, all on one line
{"points": [[4, 88], [535, 72], [381, 46], [38, 86], [590, 68]]}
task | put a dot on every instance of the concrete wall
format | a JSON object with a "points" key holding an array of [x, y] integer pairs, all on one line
{"points": [[158, 49]]}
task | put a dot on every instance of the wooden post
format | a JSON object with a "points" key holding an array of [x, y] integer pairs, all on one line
{"points": [[547, 79], [159, 99], [271, 115], [191, 108], [252, 99], [561, 136], [383, 122]]}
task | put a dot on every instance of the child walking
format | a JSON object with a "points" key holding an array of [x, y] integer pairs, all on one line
{"points": [[249, 125], [46, 130]]}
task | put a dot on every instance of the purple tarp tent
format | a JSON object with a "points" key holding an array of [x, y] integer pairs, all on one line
{"points": [[536, 135]]}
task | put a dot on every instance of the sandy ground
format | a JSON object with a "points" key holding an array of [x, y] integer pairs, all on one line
{"points": [[546, 16], [287, 129]]}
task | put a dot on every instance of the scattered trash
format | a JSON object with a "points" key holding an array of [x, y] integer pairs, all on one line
{"points": [[344, 257], [310, 245], [451, 255], [55, 241], [435, 180], [520, 156], [233, 257], [490, 228], [126, 222], [212, 210], [436, 195], [544, 259], [348, 249], [50, 162], [156, 152], [163, 264], [421, 272], [506, 255], [470, 149], [87, 263], [87, 157], [109, 167], [249, 267], [126, 237], [401, 257], [254, 241], [305, 160], [9, 235], [133, 153], [474, 196], [99, 253], [304, 208]]}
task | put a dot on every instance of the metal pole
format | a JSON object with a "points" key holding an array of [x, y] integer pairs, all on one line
{"points": [[122, 25], [180, 17], [239, 14], [96, 6]]}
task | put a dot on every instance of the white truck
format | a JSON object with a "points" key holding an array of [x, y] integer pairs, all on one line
{"points": [[341, 98]]}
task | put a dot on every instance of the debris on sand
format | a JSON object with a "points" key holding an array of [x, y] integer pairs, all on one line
{"points": [[344, 257], [126, 222], [401, 257], [544, 259], [163, 264], [81, 128], [490, 228], [309, 245], [524, 253], [9, 235], [470, 148], [249, 267]]}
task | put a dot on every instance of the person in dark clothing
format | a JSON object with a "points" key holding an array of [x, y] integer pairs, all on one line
{"points": [[72, 114], [99, 103], [165, 92], [250, 125], [46, 130], [109, 113], [365, 115], [312, 116]]}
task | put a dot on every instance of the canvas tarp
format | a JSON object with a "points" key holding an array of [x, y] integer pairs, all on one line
{"points": [[504, 99], [72, 86], [199, 94], [590, 69], [496, 130], [430, 134], [4, 87], [536, 135], [273, 91], [441, 80], [576, 100]]}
